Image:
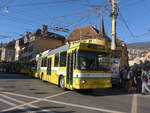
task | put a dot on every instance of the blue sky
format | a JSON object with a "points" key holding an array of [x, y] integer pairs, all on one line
{"points": [[29, 15]]}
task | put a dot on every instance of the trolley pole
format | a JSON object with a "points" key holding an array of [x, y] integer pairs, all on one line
{"points": [[114, 15]]}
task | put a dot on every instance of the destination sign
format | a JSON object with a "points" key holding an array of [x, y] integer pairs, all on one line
{"points": [[91, 46]]}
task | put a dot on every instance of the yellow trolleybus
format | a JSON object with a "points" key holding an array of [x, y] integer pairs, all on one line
{"points": [[76, 66]]}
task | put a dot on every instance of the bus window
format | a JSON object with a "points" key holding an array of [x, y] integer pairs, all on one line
{"points": [[56, 60], [63, 59], [93, 61], [44, 62]]}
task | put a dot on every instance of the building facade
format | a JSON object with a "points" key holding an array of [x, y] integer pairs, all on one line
{"points": [[40, 41]]}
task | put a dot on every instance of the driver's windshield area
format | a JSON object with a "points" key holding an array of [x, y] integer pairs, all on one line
{"points": [[93, 61]]}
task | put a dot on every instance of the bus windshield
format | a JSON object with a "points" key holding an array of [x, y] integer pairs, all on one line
{"points": [[94, 61]]}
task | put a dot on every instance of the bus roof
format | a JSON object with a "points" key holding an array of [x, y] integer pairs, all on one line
{"points": [[86, 46], [60, 49]]}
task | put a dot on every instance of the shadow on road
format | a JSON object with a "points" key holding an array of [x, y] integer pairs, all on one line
{"points": [[104, 92], [41, 110], [95, 92], [14, 76]]}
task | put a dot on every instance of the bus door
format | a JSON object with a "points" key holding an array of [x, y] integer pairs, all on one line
{"points": [[49, 66], [39, 66], [69, 68]]}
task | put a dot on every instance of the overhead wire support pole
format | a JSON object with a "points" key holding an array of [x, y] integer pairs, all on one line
{"points": [[114, 15]]}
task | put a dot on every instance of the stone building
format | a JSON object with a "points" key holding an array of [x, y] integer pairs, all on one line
{"points": [[2, 52], [31, 44], [121, 53], [9, 52], [40, 41], [147, 57]]}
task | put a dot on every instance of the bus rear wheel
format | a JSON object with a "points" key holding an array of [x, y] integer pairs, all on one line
{"points": [[61, 82]]}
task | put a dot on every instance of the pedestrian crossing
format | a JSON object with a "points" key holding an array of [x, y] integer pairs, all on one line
{"points": [[12, 102], [27, 107]]}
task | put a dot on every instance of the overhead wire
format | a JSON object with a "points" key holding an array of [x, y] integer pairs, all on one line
{"points": [[58, 1], [25, 21], [23, 14], [147, 34], [72, 14], [21, 22], [75, 23], [131, 3], [42, 12], [126, 24], [40, 16], [47, 3], [94, 11]]}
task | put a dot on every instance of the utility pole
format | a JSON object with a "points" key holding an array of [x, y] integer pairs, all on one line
{"points": [[114, 15]]}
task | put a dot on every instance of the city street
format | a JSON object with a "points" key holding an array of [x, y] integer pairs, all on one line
{"points": [[23, 94]]}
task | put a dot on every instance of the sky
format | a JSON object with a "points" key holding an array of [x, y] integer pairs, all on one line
{"points": [[20, 16]]}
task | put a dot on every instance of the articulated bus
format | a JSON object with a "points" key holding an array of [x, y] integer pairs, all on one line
{"points": [[76, 66]]}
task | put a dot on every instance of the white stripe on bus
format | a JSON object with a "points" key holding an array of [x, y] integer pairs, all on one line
{"points": [[43, 68], [91, 74]]}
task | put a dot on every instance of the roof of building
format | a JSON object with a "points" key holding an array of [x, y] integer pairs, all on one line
{"points": [[44, 33], [11, 44], [54, 36], [86, 32], [119, 42]]}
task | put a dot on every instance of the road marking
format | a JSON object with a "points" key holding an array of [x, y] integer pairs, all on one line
{"points": [[144, 96], [7, 102], [134, 104], [15, 94], [84, 107], [35, 101], [59, 102], [10, 103], [22, 102]]}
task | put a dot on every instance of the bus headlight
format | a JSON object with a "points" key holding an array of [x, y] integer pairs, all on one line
{"points": [[82, 81], [108, 81]]}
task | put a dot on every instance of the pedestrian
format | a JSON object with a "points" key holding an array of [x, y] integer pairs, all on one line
{"points": [[121, 77], [144, 78], [148, 74], [131, 81], [125, 78], [138, 73]]}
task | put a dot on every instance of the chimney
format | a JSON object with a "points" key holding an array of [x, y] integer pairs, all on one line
{"points": [[25, 37], [45, 29], [102, 29]]}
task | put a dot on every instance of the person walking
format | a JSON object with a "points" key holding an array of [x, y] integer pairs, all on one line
{"points": [[125, 78], [131, 81], [138, 72], [144, 78], [121, 77]]}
